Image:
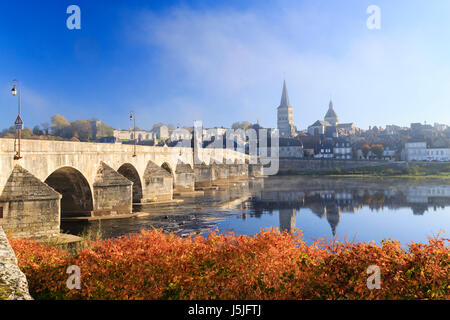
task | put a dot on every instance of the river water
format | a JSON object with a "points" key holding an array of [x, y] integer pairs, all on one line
{"points": [[355, 209]]}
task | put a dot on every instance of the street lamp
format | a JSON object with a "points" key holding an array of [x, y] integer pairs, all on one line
{"points": [[18, 123], [133, 117]]}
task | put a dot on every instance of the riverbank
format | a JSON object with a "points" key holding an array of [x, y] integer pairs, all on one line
{"points": [[269, 265], [391, 170]]}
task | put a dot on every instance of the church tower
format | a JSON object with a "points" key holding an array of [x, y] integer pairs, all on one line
{"points": [[285, 115], [331, 115]]}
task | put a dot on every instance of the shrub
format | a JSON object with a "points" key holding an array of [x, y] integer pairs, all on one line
{"points": [[268, 265]]}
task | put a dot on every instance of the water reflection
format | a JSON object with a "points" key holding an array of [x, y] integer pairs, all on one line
{"points": [[373, 208], [331, 198]]}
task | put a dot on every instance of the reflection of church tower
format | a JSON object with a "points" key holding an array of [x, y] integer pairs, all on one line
{"points": [[331, 115], [287, 219], [285, 115], [333, 216]]}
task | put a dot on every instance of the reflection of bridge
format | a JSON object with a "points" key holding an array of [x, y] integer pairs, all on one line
{"points": [[57, 178]]}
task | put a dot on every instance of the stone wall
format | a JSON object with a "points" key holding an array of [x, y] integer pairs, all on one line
{"points": [[13, 283]]}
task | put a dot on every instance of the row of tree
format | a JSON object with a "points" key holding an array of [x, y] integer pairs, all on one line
{"points": [[62, 129]]}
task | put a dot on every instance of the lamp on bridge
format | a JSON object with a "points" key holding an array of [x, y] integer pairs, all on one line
{"points": [[133, 117], [18, 123]]}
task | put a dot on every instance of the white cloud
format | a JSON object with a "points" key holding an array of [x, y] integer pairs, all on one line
{"points": [[237, 60]]}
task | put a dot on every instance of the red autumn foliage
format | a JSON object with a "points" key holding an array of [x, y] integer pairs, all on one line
{"points": [[269, 265]]}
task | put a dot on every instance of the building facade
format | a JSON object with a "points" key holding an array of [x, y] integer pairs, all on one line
{"points": [[418, 151], [342, 149], [290, 148]]}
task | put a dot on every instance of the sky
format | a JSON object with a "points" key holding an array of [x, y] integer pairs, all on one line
{"points": [[225, 61]]}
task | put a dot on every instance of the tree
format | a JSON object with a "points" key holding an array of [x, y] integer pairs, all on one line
{"points": [[37, 131], [241, 125], [103, 130], [59, 124], [26, 133], [81, 129], [45, 128], [378, 150], [365, 150]]}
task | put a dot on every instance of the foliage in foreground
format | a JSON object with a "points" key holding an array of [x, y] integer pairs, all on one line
{"points": [[269, 265]]}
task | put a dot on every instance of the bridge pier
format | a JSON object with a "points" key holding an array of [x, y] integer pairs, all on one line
{"points": [[219, 173], [184, 178], [28, 207], [233, 171], [243, 170], [255, 170], [158, 184], [113, 193], [203, 176]]}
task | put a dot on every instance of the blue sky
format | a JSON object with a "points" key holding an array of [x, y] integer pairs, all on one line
{"points": [[225, 61]]}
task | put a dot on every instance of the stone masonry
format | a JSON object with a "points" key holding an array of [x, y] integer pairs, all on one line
{"points": [[113, 192], [13, 283], [29, 206]]}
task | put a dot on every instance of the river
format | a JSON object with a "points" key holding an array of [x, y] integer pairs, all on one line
{"points": [[355, 209]]}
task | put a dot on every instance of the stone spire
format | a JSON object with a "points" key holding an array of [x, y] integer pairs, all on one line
{"points": [[331, 115], [285, 115], [284, 97]]}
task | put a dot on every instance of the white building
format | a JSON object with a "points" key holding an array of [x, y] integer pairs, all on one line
{"points": [[342, 149], [129, 134], [418, 151], [161, 132]]}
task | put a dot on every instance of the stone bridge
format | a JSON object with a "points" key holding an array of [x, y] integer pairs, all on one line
{"points": [[55, 179]]}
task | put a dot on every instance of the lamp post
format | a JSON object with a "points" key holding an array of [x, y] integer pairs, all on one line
{"points": [[18, 123], [133, 118]]}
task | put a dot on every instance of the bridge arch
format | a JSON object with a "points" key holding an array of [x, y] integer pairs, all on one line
{"points": [[130, 172], [75, 190]]}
